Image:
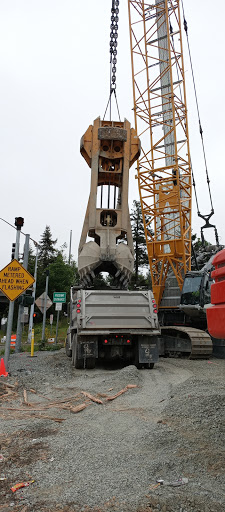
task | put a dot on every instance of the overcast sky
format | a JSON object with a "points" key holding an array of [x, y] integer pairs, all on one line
{"points": [[54, 81]]}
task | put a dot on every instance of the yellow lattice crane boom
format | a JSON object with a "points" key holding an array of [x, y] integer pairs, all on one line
{"points": [[164, 167]]}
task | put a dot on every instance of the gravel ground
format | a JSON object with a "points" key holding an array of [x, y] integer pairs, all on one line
{"points": [[109, 456]]}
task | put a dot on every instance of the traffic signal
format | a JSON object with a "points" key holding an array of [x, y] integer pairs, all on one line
{"points": [[25, 300], [28, 300], [19, 221], [13, 251]]}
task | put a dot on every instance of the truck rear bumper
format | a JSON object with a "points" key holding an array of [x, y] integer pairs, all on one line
{"points": [[142, 348]]}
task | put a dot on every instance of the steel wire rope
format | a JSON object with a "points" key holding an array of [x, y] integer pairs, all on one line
{"points": [[206, 218], [192, 172]]}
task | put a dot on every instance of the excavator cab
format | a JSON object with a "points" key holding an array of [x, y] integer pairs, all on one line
{"points": [[196, 293]]}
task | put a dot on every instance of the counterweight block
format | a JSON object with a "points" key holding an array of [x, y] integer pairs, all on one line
{"points": [[109, 148]]}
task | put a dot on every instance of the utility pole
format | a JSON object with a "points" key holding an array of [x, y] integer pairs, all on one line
{"points": [[45, 306], [21, 306], [19, 221], [70, 246], [33, 295]]}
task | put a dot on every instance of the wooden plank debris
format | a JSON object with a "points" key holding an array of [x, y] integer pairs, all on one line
{"points": [[7, 391], [11, 386], [25, 396], [78, 408], [122, 391], [92, 398], [34, 409]]}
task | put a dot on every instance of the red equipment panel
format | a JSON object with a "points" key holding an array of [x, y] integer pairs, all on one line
{"points": [[216, 313]]}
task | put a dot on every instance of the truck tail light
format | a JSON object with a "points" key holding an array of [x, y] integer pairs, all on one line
{"points": [[78, 305], [128, 341], [154, 306], [105, 341]]}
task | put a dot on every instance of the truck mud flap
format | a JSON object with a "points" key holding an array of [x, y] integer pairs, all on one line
{"points": [[148, 349], [87, 349]]}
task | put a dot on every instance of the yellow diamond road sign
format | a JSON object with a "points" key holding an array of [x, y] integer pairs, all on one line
{"points": [[14, 280]]}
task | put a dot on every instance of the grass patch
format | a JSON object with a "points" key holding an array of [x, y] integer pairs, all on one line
{"points": [[50, 332]]}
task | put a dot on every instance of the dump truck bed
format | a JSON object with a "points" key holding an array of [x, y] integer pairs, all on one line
{"points": [[114, 310]]}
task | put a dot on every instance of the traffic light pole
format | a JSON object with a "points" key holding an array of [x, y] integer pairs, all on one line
{"points": [[11, 309], [33, 295], [21, 306]]}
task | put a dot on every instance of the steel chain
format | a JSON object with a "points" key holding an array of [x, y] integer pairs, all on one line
{"points": [[113, 41]]}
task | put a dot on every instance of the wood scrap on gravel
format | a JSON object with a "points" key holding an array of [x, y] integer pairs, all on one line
{"points": [[8, 391], [34, 409]]}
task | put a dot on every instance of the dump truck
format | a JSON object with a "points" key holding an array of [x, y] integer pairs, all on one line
{"points": [[111, 324]]}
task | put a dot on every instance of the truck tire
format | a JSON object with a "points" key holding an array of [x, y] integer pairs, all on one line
{"points": [[76, 362]]}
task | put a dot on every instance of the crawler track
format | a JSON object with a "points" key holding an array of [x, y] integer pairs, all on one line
{"points": [[187, 340]]}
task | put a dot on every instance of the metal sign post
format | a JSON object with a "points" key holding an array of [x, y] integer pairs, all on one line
{"points": [[51, 322], [58, 298], [58, 308]]}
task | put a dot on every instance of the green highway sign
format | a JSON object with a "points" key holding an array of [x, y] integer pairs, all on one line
{"points": [[59, 297]]}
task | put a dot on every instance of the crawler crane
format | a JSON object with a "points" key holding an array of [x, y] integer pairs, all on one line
{"points": [[164, 170]]}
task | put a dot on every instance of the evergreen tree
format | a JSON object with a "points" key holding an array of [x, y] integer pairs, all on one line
{"points": [[140, 249], [143, 282], [61, 275], [47, 252], [31, 260], [102, 283]]}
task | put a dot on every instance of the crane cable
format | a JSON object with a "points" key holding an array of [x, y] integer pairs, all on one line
{"points": [[206, 218], [113, 56]]}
